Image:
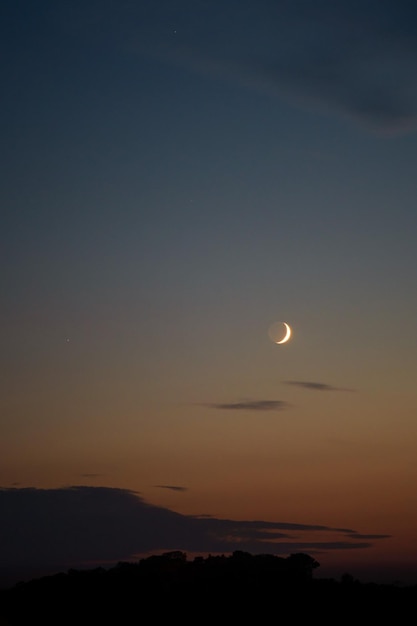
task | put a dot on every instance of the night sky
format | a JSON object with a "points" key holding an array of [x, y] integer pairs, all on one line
{"points": [[177, 176]]}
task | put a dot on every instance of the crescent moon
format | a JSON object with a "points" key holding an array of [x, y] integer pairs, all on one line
{"points": [[287, 334], [274, 330]]}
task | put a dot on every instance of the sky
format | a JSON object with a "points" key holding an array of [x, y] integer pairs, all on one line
{"points": [[177, 177]]}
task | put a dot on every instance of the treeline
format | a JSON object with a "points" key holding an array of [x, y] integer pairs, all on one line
{"points": [[212, 588]]}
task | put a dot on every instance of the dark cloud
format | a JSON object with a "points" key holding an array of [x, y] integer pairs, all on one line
{"points": [[315, 386], [172, 487], [47, 530], [357, 58], [367, 537], [251, 405], [91, 475], [354, 57]]}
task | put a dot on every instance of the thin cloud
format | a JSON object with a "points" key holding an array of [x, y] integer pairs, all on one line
{"points": [[48, 530], [251, 405], [172, 487], [91, 475], [367, 537], [353, 58], [315, 386]]}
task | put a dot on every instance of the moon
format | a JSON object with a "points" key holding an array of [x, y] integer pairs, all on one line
{"points": [[275, 332]]}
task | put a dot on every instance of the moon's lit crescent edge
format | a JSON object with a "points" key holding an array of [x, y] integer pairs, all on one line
{"points": [[287, 335]]}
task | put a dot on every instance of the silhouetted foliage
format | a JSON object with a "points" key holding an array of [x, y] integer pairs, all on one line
{"points": [[220, 588]]}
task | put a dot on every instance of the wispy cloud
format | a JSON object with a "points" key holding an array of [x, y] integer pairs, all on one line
{"points": [[172, 487], [315, 386], [251, 405], [87, 475], [354, 58], [367, 537], [46, 530]]}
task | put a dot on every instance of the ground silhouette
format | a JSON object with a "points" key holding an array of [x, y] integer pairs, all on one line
{"points": [[220, 589]]}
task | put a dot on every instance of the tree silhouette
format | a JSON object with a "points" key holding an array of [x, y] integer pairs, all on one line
{"points": [[302, 565], [236, 587]]}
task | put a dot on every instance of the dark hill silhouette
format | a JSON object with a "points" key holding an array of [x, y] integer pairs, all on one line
{"points": [[217, 589]]}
